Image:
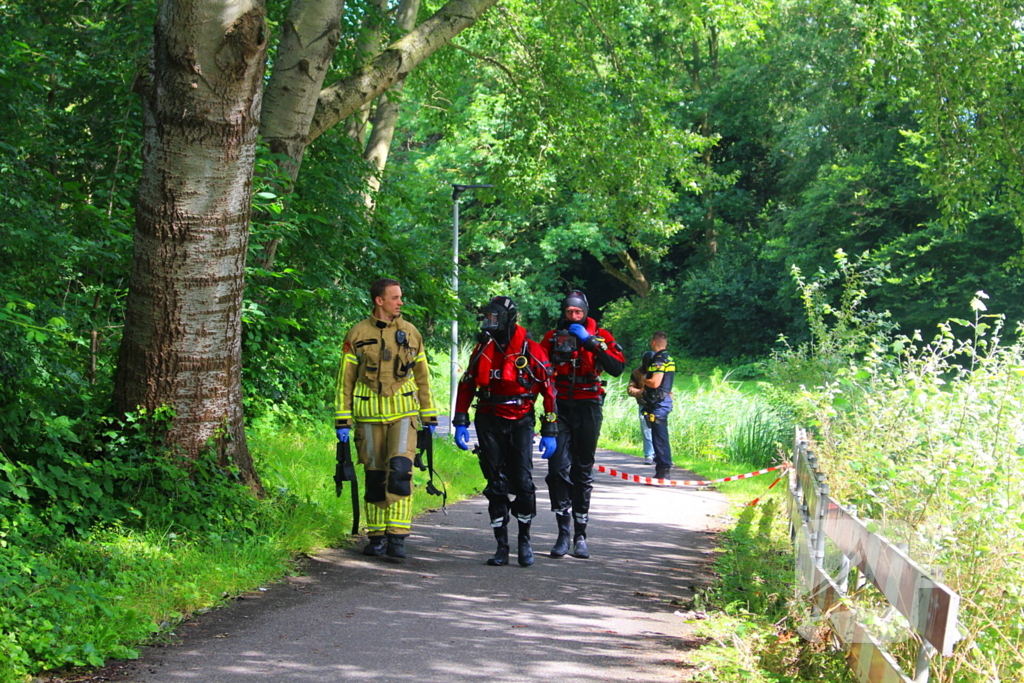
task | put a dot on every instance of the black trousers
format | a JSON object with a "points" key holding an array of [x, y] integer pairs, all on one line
{"points": [[506, 459], [571, 468]]}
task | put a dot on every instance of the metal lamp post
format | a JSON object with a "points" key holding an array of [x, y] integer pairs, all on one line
{"points": [[457, 191]]}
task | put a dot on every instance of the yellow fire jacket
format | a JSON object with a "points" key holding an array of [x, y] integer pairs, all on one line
{"points": [[383, 375]]}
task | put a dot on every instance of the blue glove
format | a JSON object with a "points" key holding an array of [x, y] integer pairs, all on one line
{"points": [[462, 437], [579, 331], [342, 434], [432, 428], [547, 446]]}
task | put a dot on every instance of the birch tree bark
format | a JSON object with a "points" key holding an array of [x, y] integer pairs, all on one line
{"points": [[306, 115], [367, 47], [310, 36], [385, 115], [296, 113], [182, 338], [344, 97]]}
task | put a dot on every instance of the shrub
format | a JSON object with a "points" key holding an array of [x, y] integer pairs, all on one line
{"points": [[928, 438]]}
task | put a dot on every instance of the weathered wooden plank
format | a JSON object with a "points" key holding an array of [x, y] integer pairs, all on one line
{"points": [[865, 655], [930, 606]]}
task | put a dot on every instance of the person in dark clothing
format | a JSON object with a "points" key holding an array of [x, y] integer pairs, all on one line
{"points": [[580, 352], [636, 390], [657, 400], [507, 372]]}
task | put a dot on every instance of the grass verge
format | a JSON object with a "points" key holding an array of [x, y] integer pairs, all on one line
{"points": [[99, 598], [748, 626]]}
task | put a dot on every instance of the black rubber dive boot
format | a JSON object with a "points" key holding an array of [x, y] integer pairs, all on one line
{"points": [[579, 542], [525, 550], [500, 558], [396, 546], [375, 548], [562, 542]]}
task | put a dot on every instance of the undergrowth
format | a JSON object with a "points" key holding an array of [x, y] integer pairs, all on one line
{"points": [[748, 619], [173, 542]]}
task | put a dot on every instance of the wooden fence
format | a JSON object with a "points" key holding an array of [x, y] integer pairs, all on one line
{"points": [[929, 606]]}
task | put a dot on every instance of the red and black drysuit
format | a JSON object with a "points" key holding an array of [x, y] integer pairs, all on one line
{"points": [[580, 395], [506, 382]]}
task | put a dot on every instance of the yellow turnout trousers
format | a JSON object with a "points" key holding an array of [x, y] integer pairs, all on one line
{"points": [[386, 450]]}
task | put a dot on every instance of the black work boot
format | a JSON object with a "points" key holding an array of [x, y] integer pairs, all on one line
{"points": [[396, 546], [500, 558], [579, 542], [561, 546], [525, 550], [375, 548]]}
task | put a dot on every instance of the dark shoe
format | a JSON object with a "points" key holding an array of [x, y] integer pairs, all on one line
{"points": [[396, 546], [579, 548], [375, 548], [525, 549], [562, 542], [500, 558], [662, 472]]}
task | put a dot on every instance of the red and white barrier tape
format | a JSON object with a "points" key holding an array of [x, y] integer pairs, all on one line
{"points": [[758, 499], [651, 481]]}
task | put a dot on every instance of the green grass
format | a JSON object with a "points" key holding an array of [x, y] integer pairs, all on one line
{"points": [[749, 628], [715, 422], [99, 598], [301, 461]]}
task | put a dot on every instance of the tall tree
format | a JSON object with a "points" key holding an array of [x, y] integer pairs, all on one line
{"points": [[182, 338], [298, 110]]}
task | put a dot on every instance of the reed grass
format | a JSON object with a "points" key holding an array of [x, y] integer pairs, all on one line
{"points": [[714, 422]]}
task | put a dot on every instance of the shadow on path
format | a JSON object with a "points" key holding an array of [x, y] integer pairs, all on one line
{"points": [[443, 615]]}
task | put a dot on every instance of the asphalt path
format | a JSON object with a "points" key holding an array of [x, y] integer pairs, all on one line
{"points": [[443, 615]]}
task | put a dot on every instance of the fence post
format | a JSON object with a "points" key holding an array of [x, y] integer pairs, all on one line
{"points": [[922, 672]]}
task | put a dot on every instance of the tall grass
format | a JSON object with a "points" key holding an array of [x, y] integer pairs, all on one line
{"points": [[750, 639], [300, 462], [715, 421]]}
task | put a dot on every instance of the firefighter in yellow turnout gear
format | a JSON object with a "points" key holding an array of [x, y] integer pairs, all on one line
{"points": [[383, 394]]}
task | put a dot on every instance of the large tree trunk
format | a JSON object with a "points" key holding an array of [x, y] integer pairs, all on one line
{"points": [[183, 327], [346, 96]]}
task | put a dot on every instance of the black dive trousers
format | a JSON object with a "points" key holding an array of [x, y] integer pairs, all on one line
{"points": [[506, 459], [571, 468]]}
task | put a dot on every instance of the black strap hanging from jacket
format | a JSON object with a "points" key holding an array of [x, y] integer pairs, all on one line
{"points": [[345, 470]]}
